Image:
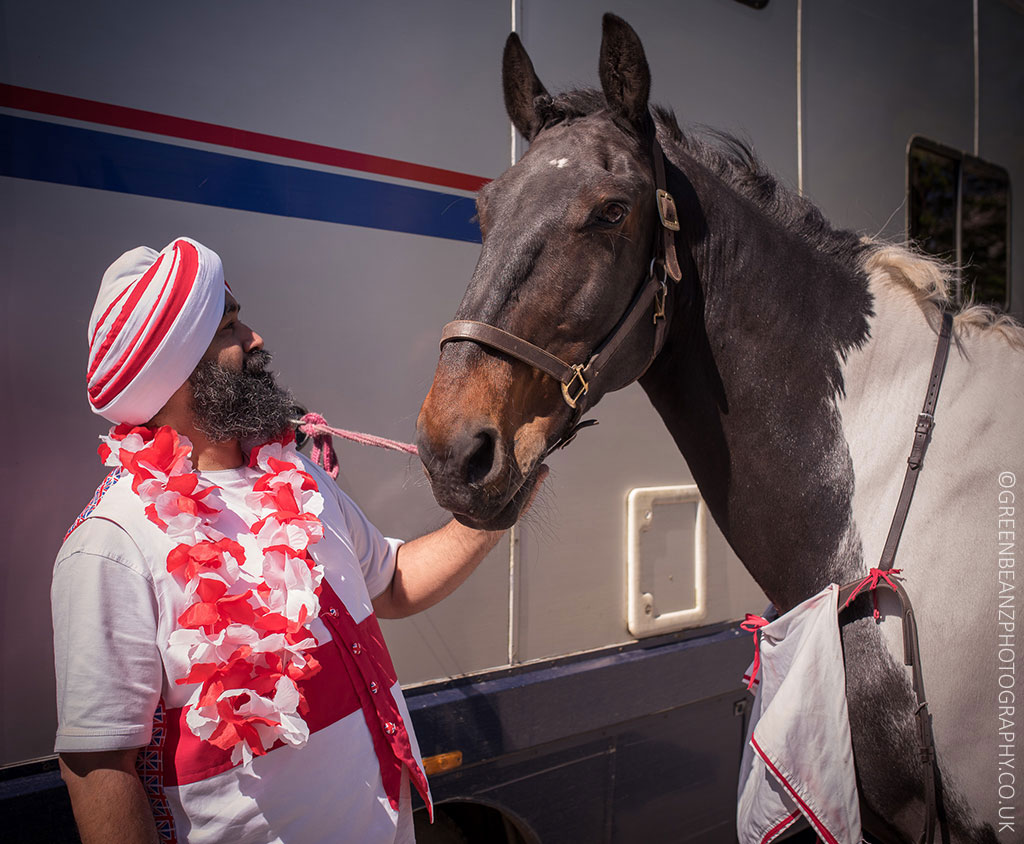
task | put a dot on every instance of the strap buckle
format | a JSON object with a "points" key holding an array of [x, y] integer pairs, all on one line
{"points": [[581, 388], [660, 296], [667, 210], [925, 421]]}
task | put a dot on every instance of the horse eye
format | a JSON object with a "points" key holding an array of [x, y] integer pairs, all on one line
{"points": [[612, 213]]}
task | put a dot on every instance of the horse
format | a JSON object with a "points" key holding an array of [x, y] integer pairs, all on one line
{"points": [[788, 363]]}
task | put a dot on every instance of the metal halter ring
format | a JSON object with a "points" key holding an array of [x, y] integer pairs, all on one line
{"points": [[577, 375]]}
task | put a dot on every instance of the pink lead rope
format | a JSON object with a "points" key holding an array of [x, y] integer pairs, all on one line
{"points": [[314, 426]]}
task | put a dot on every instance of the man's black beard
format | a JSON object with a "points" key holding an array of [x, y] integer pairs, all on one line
{"points": [[246, 405]]}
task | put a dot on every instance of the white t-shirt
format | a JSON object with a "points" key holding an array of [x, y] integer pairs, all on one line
{"points": [[114, 607]]}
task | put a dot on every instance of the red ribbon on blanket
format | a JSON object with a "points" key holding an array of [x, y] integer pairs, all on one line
{"points": [[753, 624], [871, 584]]}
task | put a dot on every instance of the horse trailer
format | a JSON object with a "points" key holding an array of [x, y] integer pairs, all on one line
{"points": [[585, 684]]}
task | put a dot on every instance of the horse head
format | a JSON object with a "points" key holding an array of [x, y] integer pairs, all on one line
{"points": [[568, 238]]}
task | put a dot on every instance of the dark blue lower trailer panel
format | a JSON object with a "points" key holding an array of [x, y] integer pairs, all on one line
{"points": [[639, 743]]}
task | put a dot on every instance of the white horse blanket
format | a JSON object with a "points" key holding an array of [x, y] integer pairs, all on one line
{"points": [[798, 760]]}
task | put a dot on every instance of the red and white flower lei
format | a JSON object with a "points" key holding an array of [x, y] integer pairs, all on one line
{"points": [[244, 630]]}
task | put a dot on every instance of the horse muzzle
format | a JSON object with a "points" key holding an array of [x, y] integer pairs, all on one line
{"points": [[473, 474]]}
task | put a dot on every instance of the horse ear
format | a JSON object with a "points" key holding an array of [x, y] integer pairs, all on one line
{"points": [[625, 74], [522, 87]]}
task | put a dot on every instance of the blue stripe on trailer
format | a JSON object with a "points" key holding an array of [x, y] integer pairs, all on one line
{"points": [[69, 155]]}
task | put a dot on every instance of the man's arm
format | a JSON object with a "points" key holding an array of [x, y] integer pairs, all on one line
{"points": [[430, 568], [109, 674], [107, 797]]}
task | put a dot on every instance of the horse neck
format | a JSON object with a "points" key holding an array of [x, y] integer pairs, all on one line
{"points": [[747, 386]]}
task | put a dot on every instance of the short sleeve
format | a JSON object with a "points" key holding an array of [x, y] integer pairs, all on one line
{"points": [[108, 666], [376, 553]]}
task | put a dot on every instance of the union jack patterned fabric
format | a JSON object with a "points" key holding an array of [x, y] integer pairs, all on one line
{"points": [[150, 765], [101, 490]]}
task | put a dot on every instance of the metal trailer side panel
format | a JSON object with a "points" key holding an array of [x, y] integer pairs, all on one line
{"points": [[1001, 117], [67, 468], [412, 81], [876, 73], [633, 744], [352, 313]]}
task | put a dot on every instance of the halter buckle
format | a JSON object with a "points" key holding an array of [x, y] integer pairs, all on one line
{"points": [[667, 210], [577, 375], [660, 296]]}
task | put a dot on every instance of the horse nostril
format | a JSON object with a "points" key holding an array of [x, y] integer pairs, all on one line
{"points": [[480, 460]]}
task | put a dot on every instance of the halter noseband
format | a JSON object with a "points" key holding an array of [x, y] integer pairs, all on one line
{"points": [[576, 379]]}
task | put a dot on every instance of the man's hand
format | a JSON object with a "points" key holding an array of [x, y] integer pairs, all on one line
{"points": [[107, 797], [430, 568]]}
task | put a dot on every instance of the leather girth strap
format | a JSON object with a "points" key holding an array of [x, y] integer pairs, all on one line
{"points": [[911, 648], [922, 436]]}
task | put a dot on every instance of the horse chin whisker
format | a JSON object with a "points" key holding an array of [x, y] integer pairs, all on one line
{"points": [[541, 518], [416, 480]]}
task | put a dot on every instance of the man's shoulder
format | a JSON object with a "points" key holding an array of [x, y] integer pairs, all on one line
{"points": [[101, 493], [100, 539], [100, 530]]}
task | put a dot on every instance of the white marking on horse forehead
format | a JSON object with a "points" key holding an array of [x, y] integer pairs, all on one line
{"points": [[559, 162]]}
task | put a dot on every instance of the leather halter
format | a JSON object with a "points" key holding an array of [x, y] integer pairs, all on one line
{"points": [[911, 649], [577, 379]]}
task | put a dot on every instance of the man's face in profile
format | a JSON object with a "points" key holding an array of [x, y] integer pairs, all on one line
{"points": [[234, 396]]}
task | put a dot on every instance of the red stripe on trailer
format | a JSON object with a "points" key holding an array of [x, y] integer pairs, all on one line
{"points": [[93, 111]]}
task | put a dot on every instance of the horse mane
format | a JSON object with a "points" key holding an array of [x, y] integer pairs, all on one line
{"points": [[734, 162], [929, 279]]}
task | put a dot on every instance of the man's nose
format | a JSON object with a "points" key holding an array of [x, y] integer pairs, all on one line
{"points": [[254, 341]]}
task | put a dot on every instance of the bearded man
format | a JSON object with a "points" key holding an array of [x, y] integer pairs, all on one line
{"points": [[221, 675]]}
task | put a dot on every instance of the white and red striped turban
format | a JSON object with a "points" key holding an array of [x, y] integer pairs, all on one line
{"points": [[154, 318]]}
